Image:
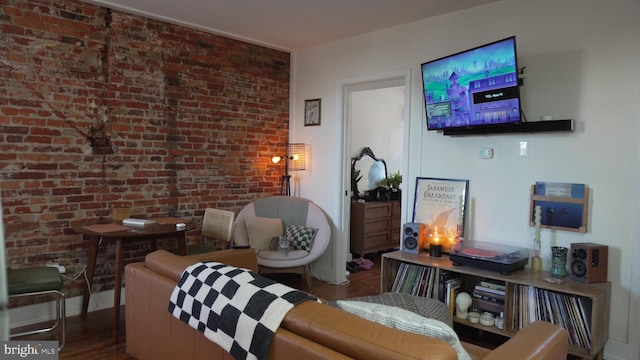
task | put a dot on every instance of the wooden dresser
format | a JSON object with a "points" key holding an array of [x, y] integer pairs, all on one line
{"points": [[375, 226]]}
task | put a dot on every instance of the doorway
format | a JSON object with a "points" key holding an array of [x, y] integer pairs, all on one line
{"points": [[375, 113]]}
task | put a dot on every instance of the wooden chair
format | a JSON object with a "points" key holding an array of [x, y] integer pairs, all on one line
{"points": [[216, 225]]}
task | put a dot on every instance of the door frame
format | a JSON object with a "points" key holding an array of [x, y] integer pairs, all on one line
{"points": [[345, 88]]}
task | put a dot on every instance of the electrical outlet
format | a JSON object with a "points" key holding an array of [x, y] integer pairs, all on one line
{"points": [[61, 268]]}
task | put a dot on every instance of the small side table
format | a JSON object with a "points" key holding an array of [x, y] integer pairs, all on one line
{"points": [[118, 232]]}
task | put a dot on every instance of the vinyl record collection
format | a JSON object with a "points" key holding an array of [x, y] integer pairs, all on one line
{"points": [[415, 280], [569, 311]]}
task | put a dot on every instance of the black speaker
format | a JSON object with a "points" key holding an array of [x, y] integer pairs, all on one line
{"points": [[412, 238], [589, 262]]}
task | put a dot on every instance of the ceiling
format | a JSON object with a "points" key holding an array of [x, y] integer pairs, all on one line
{"points": [[289, 24]]}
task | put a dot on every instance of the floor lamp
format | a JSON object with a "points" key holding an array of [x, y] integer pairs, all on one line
{"points": [[294, 160]]}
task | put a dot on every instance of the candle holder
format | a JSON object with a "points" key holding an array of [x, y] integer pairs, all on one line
{"points": [[435, 250], [536, 260], [433, 240]]}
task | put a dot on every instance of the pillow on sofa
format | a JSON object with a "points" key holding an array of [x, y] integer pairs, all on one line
{"points": [[301, 236], [260, 231], [406, 320]]}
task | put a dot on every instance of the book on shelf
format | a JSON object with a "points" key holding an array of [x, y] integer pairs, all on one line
{"points": [[488, 296], [490, 290], [454, 293], [442, 283], [489, 306], [493, 284], [452, 288]]}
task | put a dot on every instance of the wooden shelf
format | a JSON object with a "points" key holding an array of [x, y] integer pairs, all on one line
{"points": [[523, 127], [597, 294]]}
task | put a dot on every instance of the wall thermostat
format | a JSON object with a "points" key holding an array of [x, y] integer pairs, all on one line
{"points": [[486, 153]]}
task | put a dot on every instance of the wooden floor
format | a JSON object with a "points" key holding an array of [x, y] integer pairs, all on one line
{"points": [[90, 338]]}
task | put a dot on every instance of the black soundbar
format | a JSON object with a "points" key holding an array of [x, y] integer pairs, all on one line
{"points": [[523, 127]]}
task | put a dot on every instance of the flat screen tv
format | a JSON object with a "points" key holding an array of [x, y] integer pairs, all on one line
{"points": [[474, 88]]}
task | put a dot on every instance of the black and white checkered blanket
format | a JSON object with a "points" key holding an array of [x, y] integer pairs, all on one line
{"points": [[236, 308]]}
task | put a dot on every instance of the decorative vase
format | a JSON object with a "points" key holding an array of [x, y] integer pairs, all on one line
{"points": [[559, 261]]}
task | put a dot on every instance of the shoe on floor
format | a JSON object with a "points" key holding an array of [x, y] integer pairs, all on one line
{"points": [[367, 264], [364, 263], [353, 267]]}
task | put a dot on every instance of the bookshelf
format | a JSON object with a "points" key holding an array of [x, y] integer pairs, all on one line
{"points": [[582, 309]]}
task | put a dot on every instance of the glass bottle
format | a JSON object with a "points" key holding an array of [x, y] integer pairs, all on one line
{"points": [[536, 260], [499, 322], [559, 261]]}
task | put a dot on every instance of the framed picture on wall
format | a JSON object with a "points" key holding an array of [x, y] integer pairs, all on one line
{"points": [[440, 205], [312, 112], [563, 206]]}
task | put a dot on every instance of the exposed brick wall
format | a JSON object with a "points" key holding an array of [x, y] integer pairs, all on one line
{"points": [[190, 120]]}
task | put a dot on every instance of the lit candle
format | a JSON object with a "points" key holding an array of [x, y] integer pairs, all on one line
{"points": [[435, 249]]}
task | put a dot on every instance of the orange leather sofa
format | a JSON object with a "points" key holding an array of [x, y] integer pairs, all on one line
{"points": [[309, 331]]}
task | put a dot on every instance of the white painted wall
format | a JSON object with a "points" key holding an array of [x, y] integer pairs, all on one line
{"points": [[583, 61], [378, 122]]}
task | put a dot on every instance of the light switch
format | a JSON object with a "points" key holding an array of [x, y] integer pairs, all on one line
{"points": [[524, 149]]}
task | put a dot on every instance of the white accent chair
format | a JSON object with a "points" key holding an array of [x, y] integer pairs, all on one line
{"points": [[292, 211]]}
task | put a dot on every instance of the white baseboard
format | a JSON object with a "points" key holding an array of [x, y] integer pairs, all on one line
{"points": [[34, 314], [616, 350]]}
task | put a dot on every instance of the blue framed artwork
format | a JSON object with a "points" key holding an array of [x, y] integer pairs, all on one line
{"points": [[563, 205]]}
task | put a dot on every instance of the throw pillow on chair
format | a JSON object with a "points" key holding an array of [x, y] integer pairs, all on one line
{"points": [[301, 236], [260, 231]]}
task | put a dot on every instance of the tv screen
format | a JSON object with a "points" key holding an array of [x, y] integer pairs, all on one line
{"points": [[473, 88]]}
